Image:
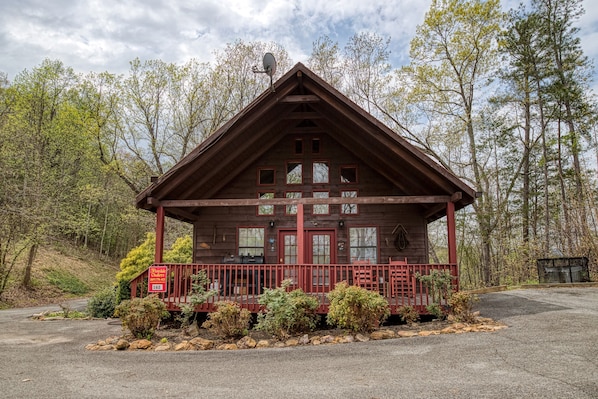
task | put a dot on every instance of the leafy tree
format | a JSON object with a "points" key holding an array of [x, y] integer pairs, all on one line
{"points": [[138, 259]]}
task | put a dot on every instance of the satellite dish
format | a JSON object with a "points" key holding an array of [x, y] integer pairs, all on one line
{"points": [[269, 63]]}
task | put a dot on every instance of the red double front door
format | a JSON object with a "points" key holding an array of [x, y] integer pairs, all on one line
{"points": [[319, 249]]}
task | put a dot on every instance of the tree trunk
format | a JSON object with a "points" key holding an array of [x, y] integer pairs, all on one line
{"points": [[29, 266]]}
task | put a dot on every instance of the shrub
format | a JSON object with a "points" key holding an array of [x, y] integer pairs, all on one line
{"points": [[439, 283], [229, 320], [285, 312], [102, 304], [138, 259], [461, 304], [356, 308], [142, 315], [123, 290], [408, 314], [436, 310], [197, 296]]}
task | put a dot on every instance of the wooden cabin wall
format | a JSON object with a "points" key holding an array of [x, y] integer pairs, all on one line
{"points": [[215, 233]]}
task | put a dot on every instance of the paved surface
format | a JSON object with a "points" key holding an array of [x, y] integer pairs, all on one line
{"points": [[550, 350]]}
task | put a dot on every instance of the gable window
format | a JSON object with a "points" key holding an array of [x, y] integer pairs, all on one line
{"points": [[315, 146], [320, 209], [294, 173], [298, 146], [363, 243], [265, 209], [348, 174], [349, 209], [292, 209], [251, 241], [266, 177], [320, 172]]}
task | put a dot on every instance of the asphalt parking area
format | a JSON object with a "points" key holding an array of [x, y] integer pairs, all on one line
{"points": [[549, 351]]}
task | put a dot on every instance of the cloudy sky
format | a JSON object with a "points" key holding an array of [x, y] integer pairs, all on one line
{"points": [[104, 35]]}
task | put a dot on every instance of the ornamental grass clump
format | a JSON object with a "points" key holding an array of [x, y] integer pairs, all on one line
{"points": [[229, 320], [356, 308], [142, 315], [285, 313]]}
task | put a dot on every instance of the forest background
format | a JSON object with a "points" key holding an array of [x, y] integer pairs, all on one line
{"points": [[502, 100]]}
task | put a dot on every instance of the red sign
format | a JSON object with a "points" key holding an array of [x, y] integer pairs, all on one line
{"points": [[157, 279]]}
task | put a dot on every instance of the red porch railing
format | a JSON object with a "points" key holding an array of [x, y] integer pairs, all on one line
{"points": [[243, 283]]}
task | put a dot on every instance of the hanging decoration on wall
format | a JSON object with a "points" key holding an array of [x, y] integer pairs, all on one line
{"points": [[400, 237]]}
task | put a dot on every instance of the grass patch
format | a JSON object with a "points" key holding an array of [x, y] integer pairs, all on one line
{"points": [[66, 282]]}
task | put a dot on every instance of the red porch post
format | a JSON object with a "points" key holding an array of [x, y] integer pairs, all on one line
{"points": [[452, 234], [159, 234], [300, 236]]}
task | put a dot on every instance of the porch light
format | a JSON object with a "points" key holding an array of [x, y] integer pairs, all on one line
{"points": [[271, 223], [341, 223]]}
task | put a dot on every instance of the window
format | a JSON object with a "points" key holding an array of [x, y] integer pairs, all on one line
{"points": [[266, 177], [320, 172], [292, 209], [294, 173], [251, 241], [315, 146], [265, 209], [349, 209], [298, 146], [363, 242], [321, 209], [348, 174]]}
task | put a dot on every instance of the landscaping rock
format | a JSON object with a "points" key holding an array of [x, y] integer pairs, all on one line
{"points": [[183, 346], [163, 347], [362, 338], [202, 343], [304, 340], [227, 347], [263, 343], [382, 334], [121, 344], [140, 344], [291, 342], [407, 334], [246, 343]]}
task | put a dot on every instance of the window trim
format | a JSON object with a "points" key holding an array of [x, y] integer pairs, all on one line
{"points": [[257, 208], [340, 174], [313, 164], [263, 248], [259, 181], [286, 208], [356, 205], [300, 162], [314, 139], [376, 245], [314, 206]]}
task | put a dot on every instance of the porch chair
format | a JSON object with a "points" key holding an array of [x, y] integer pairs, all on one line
{"points": [[365, 277], [401, 283]]}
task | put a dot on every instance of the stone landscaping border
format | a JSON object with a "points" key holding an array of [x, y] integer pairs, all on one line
{"points": [[482, 324]]}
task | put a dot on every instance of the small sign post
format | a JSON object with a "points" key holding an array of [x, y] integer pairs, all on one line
{"points": [[157, 279]]}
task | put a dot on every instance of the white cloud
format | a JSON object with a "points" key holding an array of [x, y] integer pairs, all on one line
{"points": [[99, 35]]}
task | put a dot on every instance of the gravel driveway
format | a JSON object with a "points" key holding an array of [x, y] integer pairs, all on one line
{"points": [[550, 350]]}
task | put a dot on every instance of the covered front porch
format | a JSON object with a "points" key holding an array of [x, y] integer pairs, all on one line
{"points": [[243, 283]]}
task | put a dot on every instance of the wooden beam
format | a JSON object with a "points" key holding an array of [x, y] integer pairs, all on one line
{"points": [[300, 236], [295, 99], [406, 199], [451, 232], [159, 249], [304, 115]]}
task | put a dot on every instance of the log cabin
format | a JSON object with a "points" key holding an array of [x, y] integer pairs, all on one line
{"points": [[305, 185]]}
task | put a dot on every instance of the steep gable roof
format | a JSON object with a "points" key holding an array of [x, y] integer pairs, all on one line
{"points": [[302, 102]]}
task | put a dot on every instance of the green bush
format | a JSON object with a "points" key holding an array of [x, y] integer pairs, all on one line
{"points": [[408, 314], [285, 312], [229, 320], [461, 306], [138, 259], [102, 304], [356, 308], [436, 310], [197, 296], [123, 291], [142, 315]]}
